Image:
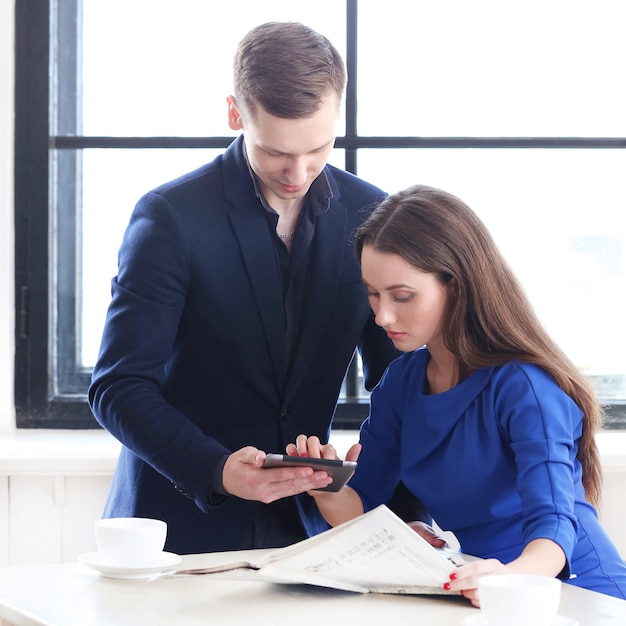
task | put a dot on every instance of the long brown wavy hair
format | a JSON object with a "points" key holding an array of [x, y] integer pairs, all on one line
{"points": [[491, 320]]}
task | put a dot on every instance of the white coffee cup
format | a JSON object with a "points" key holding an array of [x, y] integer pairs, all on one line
{"points": [[130, 541], [519, 599]]}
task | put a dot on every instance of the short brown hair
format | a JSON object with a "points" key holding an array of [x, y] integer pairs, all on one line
{"points": [[287, 68]]}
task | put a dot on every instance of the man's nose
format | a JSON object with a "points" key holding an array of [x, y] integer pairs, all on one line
{"points": [[297, 173]]}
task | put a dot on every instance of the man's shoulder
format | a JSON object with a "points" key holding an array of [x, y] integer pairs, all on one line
{"points": [[229, 165], [198, 177], [350, 189]]}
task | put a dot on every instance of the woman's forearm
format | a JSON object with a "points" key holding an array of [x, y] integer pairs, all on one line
{"points": [[338, 507], [540, 556]]}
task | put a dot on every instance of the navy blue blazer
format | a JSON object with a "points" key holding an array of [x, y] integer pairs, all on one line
{"points": [[192, 360]]}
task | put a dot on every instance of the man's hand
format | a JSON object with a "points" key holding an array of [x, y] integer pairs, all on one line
{"points": [[244, 476]]}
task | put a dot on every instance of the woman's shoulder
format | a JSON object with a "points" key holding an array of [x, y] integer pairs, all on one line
{"points": [[522, 371], [517, 380], [409, 365], [409, 360]]}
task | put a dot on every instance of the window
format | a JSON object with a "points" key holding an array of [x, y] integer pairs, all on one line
{"points": [[516, 108]]}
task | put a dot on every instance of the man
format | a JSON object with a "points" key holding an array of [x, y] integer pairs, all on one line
{"points": [[236, 310]]}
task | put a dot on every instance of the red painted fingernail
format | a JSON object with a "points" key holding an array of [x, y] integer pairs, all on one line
{"points": [[446, 586], [304, 454], [453, 576], [293, 453]]}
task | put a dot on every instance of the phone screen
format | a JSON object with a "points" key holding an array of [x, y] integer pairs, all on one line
{"points": [[341, 471]]}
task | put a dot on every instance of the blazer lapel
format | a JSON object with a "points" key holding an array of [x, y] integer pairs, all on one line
{"points": [[328, 248], [257, 249]]}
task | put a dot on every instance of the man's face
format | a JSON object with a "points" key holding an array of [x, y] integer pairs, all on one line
{"points": [[287, 155]]}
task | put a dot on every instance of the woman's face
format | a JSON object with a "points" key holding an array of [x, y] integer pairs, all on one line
{"points": [[409, 304]]}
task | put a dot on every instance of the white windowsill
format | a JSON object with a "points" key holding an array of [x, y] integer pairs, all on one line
{"points": [[61, 452], [95, 452]]}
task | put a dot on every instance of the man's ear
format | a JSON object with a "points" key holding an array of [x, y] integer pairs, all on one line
{"points": [[234, 116]]}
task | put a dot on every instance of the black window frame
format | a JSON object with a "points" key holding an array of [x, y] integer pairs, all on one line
{"points": [[50, 386]]}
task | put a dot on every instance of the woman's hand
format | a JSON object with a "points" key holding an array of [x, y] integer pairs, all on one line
{"points": [[313, 448], [337, 507], [427, 532], [465, 578], [539, 556]]}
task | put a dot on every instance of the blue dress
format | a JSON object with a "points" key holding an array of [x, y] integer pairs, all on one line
{"points": [[493, 460]]}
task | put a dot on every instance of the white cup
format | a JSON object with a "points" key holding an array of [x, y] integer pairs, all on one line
{"points": [[130, 541], [519, 599]]}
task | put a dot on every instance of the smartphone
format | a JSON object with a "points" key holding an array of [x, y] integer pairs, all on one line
{"points": [[339, 470]]}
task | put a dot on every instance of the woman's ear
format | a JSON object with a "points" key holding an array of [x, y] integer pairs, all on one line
{"points": [[453, 288], [234, 116]]}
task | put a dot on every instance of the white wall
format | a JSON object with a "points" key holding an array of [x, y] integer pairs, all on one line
{"points": [[7, 325]]}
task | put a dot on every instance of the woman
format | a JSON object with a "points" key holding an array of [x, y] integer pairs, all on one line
{"points": [[483, 417]]}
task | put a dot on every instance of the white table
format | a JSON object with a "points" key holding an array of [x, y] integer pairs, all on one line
{"points": [[73, 595]]}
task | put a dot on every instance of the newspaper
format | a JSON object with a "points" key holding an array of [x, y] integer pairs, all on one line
{"points": [[374, 553]]}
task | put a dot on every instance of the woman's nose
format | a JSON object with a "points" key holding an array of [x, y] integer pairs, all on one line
{"points": [[384, 315]]}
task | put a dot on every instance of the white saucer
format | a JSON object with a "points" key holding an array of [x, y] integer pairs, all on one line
{"points": [[166, 561], [480, 620]]}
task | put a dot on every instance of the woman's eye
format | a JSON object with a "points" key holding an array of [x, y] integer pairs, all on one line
{"points": [[402, 299]]}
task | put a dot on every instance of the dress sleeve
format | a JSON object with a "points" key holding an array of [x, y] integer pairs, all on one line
{"points": [[543, 425], [378, 472]]}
